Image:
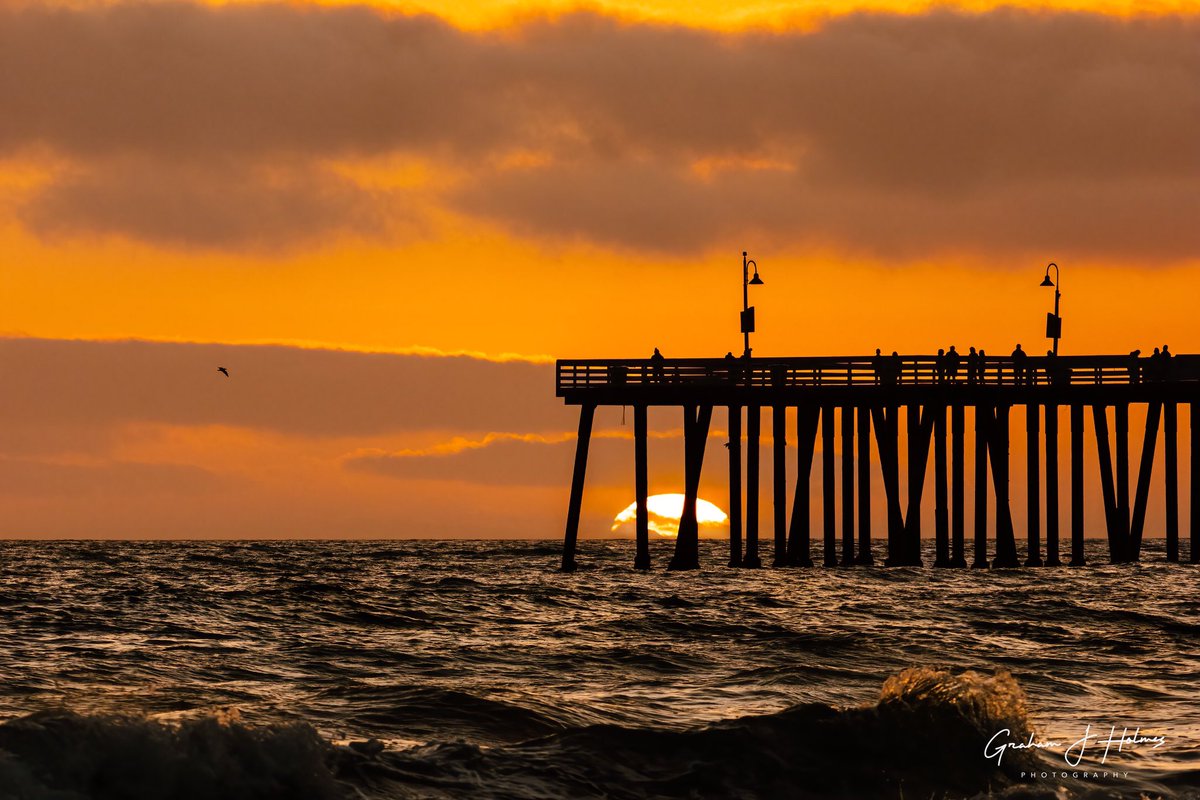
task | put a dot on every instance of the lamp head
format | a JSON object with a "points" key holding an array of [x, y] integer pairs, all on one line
{"points": [[756, 281], [1046, 281]]}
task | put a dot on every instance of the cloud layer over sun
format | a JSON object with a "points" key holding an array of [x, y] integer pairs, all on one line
{"points": [[904, 135]]}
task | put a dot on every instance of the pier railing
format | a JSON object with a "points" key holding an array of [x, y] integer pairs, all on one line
{"points": [[839, 371]]}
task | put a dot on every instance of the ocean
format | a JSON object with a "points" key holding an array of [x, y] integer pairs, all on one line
{"points": [[448, 669]]}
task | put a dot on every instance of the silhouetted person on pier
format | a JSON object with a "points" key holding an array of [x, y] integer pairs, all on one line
{"points": [[656, 366], [1135, 367], [877, 363], [982, 365], [895, 368], [1020, 370], [731, 367], [939, 366], [1153, 368], [1164, 372], [972, 366], [953, 360]]}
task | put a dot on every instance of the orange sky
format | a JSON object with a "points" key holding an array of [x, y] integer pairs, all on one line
{"points": [[489, 181]]}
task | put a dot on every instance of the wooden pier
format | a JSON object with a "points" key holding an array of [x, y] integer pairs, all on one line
{"points": [[839, 397]]}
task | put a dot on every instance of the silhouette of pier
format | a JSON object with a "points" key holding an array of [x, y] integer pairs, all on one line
{"points": [[864, 396]]}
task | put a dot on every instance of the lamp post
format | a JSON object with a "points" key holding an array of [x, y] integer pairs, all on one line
{"points": [[747, 309], [1053, 321]]}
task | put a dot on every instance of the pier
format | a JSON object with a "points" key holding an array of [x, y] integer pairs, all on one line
{"points": [[857, 399]]}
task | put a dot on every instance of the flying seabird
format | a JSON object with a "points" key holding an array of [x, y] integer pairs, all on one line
{"points": [[223, 371]]}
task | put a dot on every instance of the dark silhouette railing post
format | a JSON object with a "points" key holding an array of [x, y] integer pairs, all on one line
{"points": [[864, 556], [779, 483], [1052, 550], [1077, 556], [753, 422], [1171, 477], [958, 524], [799, 535], [983, 418], [847, 486], [941, 511], [828, 509], [735, 486], [641, 487], [1141, 498], [586, 413], [1033, 487]]}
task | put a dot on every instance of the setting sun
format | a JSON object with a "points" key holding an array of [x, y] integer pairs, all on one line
{"points": [[665, 510]]}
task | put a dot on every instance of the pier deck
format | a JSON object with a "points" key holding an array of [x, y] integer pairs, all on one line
{"points": [[868, 393]]}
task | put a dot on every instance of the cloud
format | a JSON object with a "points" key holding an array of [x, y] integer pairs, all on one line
{"points": [[896, 135], [247, 207], [35, 478], [58, 385]]}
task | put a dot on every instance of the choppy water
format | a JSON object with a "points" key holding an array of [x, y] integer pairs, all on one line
{"points": [[226, 670]]}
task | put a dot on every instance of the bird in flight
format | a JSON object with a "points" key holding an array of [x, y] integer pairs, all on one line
{"points": [[223, 371]]}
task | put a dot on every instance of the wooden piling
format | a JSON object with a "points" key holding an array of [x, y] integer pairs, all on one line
{"points": [[779, 483], [1112, 523], [829, 512], [983, 417], [864, 487], [941, 511], [1077, 556], [799, 534], [1121, 423], [887, 439], [1171, 477], [998, 449], [1033, 487], [641, 487], [1052, 548], [586, 413], [1141, 497], [958, 511], [847, 486], [735, 486], [695, 437], [1194, 448], [753, 421]]}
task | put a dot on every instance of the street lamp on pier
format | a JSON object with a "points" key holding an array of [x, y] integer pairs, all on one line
{"points": [[747, 309], [1054, 321]]}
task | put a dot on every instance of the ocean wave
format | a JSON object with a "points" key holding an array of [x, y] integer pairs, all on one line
{"points": [[923, 738]]}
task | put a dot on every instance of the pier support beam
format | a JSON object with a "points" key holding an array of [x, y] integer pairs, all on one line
{"points": [[864, 487], [1121, 421], [1194, 426], [1052, 554], [920, 432], [641, 488], [828, 511], [1112, 512], [983, 417], [1033, 487], [1077, 557], [847, 486], [998, 449], [799, 535], [887, 439], [582, 441], [1171, 476], [1145, 467], [958, 519], [753, 422], [735, 486], [779, 483], [941, 510], [695, 437]]}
